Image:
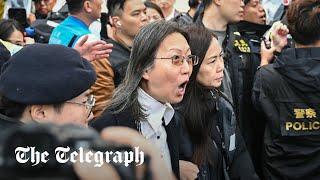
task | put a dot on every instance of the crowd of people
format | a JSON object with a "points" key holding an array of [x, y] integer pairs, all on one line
{"points": [[222, 91]]}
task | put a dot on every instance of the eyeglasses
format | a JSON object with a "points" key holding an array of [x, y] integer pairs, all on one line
{"points": [[178, 60], [88, 104]]}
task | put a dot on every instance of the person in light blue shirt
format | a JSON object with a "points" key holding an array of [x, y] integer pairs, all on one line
{"points": [[83, 13]]}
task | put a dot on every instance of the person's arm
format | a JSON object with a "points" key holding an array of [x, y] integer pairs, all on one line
{"points": [[256, 91], [278, 37], [188, 170], [127, 136], [242, 167], [87, 170]]}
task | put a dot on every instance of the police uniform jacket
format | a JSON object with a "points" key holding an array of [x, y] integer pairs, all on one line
{"points": [[231, 159], [251, 129], [288, 93]]}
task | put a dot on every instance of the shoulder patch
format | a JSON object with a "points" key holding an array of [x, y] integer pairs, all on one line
{"points": [[241, 45]]}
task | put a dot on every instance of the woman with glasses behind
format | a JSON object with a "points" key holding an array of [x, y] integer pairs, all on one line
{"points": [[210, 141], [158, 72]]}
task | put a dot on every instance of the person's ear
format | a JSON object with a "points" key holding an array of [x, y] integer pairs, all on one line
{"points": [[40, 113], [116, 21], [87, 6], [146, 74], [217, 2]]}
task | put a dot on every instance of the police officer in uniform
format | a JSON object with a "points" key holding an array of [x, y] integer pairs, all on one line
{"points": [[247, 47], [287, 91]]}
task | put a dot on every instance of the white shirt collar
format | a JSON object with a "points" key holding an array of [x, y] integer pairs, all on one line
{"points": [[171, 15], [155, 109]]}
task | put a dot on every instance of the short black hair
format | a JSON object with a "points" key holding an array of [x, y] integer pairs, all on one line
{"points": [[115, 7], [15, 110], [75, 6], [304, 21]]}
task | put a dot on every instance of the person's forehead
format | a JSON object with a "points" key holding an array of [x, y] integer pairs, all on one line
{"points": [[159, 1], [174, 42], [133, 5], [152, 11], [254, 1], [16, 35]]}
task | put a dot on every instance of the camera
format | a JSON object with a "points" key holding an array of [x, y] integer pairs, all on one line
{"points": [[48, 151]]}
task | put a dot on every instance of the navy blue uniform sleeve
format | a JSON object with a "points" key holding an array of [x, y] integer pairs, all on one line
{"points": [[242, 167], [256, 91]]}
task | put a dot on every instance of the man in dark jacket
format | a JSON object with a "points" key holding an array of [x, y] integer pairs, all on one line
{"points": [[127, 18], [288, 93]]}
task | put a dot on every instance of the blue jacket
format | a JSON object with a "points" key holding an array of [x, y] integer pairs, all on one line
{"points": [[69, 32]]}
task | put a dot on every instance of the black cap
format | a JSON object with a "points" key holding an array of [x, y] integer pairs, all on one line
{"points": [[45, 74]]}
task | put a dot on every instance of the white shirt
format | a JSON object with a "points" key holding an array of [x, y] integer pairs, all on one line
{"points": [[171, 15], [152, 129]]}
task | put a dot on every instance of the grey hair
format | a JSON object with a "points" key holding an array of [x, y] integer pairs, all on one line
{"points": [[145, 46]]}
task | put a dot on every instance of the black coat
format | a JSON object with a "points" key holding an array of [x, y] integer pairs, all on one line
{"points": [[288, 93], [251, 129], [232, 160], [119, 59], [125, 118]]}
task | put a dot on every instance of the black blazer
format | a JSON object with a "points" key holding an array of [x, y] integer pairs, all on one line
{"points": [[125, 118]]}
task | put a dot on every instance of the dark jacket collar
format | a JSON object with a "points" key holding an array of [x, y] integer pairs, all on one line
{"points": [[301, 68], [248, 27], [125, 118]]}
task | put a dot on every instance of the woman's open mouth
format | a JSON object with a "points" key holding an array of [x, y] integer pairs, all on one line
{"points": [[182, 88]]}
